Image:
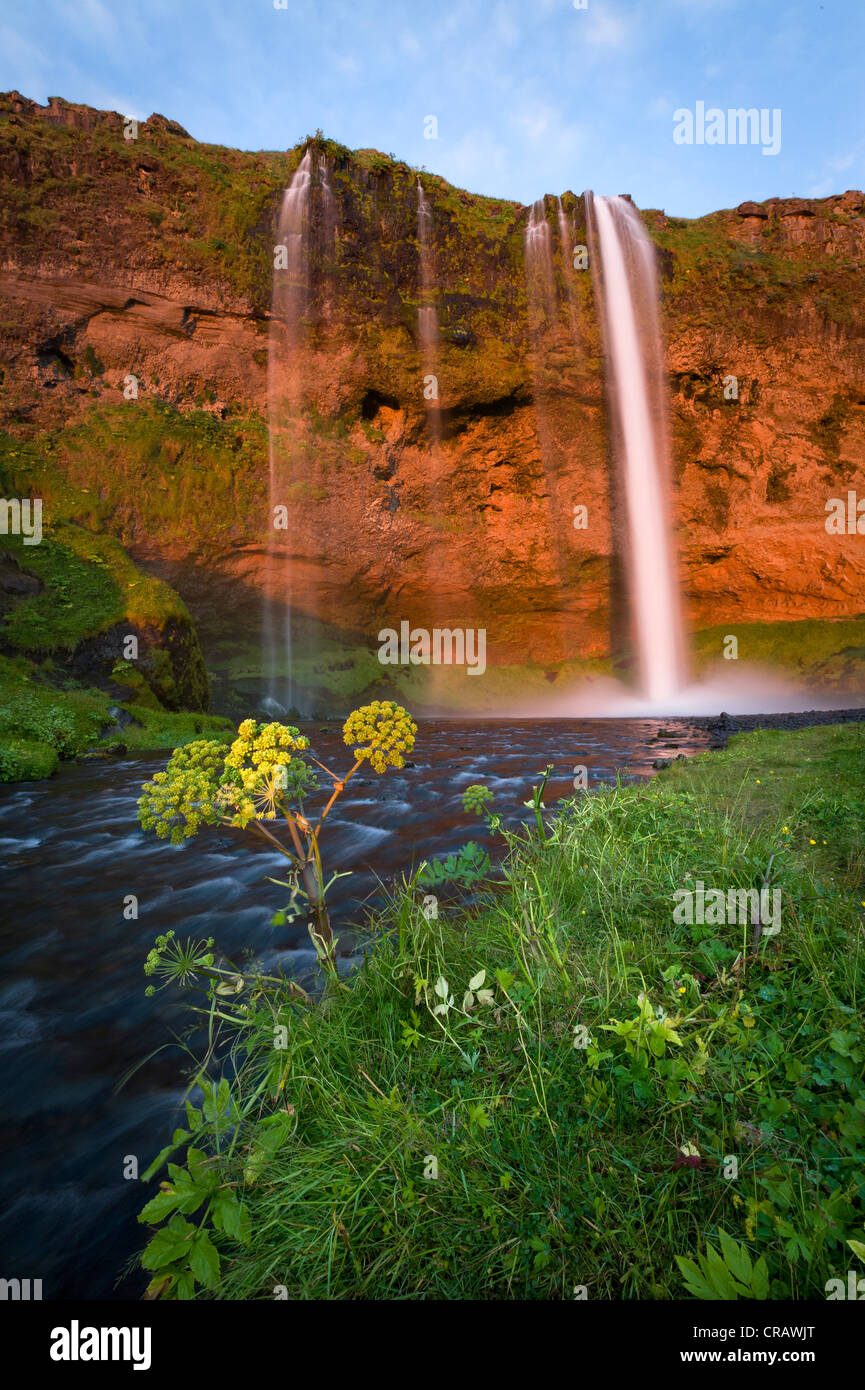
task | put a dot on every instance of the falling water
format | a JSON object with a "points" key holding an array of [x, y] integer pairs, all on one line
{"points": [[546, 340], [567, 238], [329, 203], [427, 315], [539, 264], [634, 352], [290, 293]]}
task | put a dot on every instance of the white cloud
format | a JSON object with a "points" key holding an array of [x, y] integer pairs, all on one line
{"points": [[605, 28]]}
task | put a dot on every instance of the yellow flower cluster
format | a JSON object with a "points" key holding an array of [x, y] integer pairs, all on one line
{"points": [[257, 765], [381, 732], [178, 801]]}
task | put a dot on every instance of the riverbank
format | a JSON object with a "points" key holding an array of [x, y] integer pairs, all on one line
{"points": [[565, 1091]]}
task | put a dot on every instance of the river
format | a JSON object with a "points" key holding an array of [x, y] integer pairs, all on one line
{"points": [[74, 1019]]}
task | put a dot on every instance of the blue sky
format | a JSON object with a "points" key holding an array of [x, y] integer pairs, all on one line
{"points": [[530, 96]]}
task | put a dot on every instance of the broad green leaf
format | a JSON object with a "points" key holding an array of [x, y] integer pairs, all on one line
{"points": [[204, 1260], [736, 1258], [694, 1280], [158, 1207], [760, 1280]]}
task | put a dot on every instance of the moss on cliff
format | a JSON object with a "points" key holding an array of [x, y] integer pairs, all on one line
{"points": [[144, 470], [825, 653], [40, 724]]}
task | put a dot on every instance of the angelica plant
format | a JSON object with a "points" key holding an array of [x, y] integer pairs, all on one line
{"points": [[264, 776]]}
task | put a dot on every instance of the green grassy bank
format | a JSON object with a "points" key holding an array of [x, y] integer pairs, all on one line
{"points": [[616, 1091], [67, 607]]}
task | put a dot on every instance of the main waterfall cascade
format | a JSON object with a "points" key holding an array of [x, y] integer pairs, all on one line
{"points": [[627, 279], [427, 315]]}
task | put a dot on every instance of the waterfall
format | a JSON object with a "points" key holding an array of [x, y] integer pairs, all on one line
{"points": [[626, 274], [539, 266], [329, 204], [289, 301], [567, 238], [427, 316]]}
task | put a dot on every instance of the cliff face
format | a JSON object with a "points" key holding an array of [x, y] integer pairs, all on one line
{"points": [[153, 258]]}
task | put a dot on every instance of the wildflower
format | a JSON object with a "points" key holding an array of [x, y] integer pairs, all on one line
{"points": [[381, 733]]}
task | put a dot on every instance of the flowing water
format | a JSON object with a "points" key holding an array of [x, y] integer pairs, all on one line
{"points": [[427, 316], [634, 353], [289, 303], [74, 1018]]}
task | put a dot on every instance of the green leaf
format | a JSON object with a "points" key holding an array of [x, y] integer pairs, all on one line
{"points": [[760, 1281], [694, 1281], [719, 1275], [158, 1207], [179, 1136], [858, 1248], [736, 1258], [229, 1216], [168, 1245], [204, 1260]]}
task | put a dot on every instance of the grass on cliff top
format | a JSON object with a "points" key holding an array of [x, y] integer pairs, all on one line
{"points": [[392, 1152]]}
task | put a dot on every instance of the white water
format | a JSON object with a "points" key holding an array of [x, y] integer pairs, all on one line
{"points": [[567, 238], [427, 315], [290, 288], [539, 265], [634, 352]]}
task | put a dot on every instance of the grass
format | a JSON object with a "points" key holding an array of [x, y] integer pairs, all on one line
{"points": [[41, 724], [536, 1145]]}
